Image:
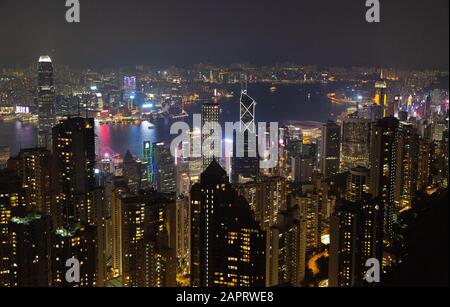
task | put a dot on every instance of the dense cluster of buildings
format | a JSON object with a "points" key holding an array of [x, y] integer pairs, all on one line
{"points": [[332, 201]]}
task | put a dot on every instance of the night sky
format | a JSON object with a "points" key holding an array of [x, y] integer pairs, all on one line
{"points": [[412, 33]]}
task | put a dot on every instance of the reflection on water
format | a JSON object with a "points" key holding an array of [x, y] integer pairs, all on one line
{"points": [[120, 138], [17, 135], [290, 102]]}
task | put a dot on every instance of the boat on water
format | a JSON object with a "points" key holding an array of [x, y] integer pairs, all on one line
{"points": [[177, 112], [181, 115], [273, 89]]}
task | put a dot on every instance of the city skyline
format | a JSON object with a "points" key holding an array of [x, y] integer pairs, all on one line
{"points": [[164, 170]]}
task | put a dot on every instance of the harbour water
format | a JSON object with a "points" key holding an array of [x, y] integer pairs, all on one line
{"points": [[306, 102]]}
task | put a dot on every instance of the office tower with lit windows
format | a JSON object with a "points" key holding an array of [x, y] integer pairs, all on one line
{"points": [[375, 112], [380, 97], [148, 155], [383, 173], [46, 101], [129, 87], [192, 159], [330, 149], [427, 111], [33, 166], [395, 106], [302, 168], [356, 234], [266, 197], [132, 172], [245, 163], [145, 240], [358, 183], [406, 177], [165, 169], [30, 243], [355, 142], [79, 242], [227, 244], [211, 137]]}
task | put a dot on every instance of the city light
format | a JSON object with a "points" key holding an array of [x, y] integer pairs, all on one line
{"points": [[268, 147]]}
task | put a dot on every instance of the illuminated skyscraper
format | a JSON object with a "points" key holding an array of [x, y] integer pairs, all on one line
{"points": [[148, 155], [211, 137], [129, 87], [147, 242], [358, 183], [287, 252], [30, 241], [245, 163], [183, 232], [381, 94], [34, 166], [302, 168], [407, 163], [11, 201], [330, 149], [383, 169], [120, 189], [132, 172], [423, 164], [310, 214], [266, 197], [227, 244], [444, 157], [46, 102], [77, 198], [79, 242], [356, 235], [165, 169], [74, 151], [355, 143]]}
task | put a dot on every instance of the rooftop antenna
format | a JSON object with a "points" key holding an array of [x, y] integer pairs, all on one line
{"points": [[244, 84]]}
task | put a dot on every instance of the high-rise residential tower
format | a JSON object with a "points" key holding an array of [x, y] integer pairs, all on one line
{"points": [[383, 169], [227, 244], [33, 166]]}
